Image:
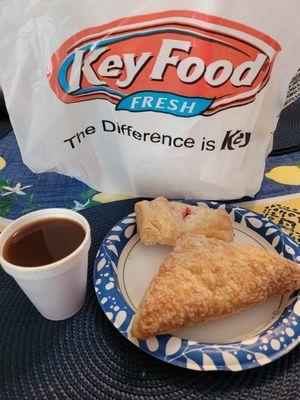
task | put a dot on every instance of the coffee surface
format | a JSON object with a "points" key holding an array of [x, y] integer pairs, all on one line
{"points": [[43, 242]]}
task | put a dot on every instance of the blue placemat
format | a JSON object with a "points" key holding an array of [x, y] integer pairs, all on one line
{"points": [[85, 358], [40, 190], [29, 191]]}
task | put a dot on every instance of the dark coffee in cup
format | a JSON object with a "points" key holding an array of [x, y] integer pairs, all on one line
{"points": [[43, 242]]}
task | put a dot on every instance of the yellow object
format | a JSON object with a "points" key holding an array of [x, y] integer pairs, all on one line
{"points": [[287, 175], [292, 203], [283, 211], [108, 198], [2, 163]]}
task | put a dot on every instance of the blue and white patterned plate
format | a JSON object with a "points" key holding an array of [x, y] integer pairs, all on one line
{"points": [[124, 267]]}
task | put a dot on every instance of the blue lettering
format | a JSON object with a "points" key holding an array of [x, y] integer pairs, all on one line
{"points": [[164, 102]]}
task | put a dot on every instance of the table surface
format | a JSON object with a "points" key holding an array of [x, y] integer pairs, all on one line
{"points": [[84, 357]]}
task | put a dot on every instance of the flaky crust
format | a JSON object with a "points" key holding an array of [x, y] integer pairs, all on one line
{"points": [[204, 279], [161, 221]]}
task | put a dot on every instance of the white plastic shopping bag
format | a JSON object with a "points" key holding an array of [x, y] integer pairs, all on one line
{"points": [[149, 98]]}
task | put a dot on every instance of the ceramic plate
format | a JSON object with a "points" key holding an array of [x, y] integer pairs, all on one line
{"points": [[124, 268]]}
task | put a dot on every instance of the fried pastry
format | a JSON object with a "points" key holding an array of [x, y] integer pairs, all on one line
{"points": [[162, 221], [204, 279]]}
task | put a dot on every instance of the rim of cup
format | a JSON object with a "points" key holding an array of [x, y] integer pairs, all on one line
{"points": [[40, 215]]}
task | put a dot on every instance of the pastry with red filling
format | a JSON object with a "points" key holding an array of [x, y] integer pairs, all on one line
{"points": [[163, 222]]}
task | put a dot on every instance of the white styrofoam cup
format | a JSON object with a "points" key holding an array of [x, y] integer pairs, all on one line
{"points": [[58, 289]]}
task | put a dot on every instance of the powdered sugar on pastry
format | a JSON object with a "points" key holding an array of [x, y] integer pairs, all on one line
{"points": [[205, 279], [161, 221]]}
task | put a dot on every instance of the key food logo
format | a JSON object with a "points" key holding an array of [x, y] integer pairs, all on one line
{"points": [[182, 63]]}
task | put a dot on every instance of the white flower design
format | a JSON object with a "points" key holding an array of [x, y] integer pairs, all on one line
{"points": [[15, 190], [79, 206]]}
